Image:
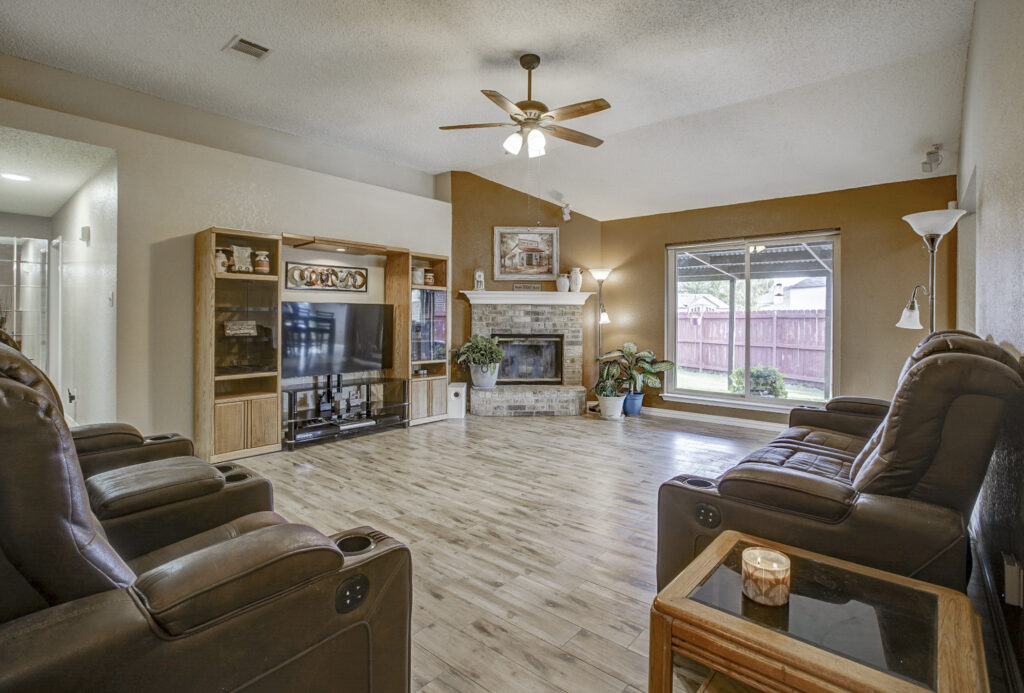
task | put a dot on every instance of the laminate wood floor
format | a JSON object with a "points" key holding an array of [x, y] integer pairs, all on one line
{"points": [[533, 538]]}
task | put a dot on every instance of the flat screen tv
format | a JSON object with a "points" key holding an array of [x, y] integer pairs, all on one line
{"points": [[326, 338]]}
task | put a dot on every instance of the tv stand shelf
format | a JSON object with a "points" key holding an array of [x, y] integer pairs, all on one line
{"points": [[380, 403]]}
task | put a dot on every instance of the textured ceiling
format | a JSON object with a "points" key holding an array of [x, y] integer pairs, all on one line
{"points": [[57, 167], [381, 76]]}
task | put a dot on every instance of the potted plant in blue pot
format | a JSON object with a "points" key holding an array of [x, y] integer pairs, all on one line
{"points": [[482, 355], [638, 368]]}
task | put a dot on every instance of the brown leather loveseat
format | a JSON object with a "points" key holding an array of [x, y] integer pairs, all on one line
{"points": [[889, 485], [258, 604]]}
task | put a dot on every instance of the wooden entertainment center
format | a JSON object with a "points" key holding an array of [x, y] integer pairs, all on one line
{"points": [[237, 346]]}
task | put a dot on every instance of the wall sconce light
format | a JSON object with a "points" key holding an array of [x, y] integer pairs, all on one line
{"points": [[567, 214], [603, 318]]}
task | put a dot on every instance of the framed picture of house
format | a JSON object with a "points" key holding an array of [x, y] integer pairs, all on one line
{"points": [[525, 252]]}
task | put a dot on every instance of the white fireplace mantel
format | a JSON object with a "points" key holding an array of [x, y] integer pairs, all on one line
{"points": [[528, 298]]}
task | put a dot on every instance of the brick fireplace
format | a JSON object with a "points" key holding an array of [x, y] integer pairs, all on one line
{"points": [[537, 328]]}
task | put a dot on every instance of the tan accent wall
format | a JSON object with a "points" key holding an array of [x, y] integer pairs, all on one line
{"points": [[478, 205], [881, 260]]}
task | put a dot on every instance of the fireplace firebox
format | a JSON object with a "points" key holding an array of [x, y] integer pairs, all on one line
{"points": [[530, 359]]}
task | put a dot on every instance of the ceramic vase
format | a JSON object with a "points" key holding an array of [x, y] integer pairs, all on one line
{"points": [[562, 283], [611, 407], [575, 279]]}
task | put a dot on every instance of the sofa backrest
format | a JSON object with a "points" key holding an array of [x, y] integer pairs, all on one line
{"points": [[16, 366], [8, 339], [935, 443], [959, 341], [53, 548]]}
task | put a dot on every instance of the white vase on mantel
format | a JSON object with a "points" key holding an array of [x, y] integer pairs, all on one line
{"points": [[575, 279], [562, 283]]}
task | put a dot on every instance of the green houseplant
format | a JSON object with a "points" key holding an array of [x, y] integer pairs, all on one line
{"points": [[765, 381], [637, 369], [482, 355], [608, 389]]}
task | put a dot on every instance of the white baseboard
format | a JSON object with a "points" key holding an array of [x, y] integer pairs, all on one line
{"points": [[712, 418]]}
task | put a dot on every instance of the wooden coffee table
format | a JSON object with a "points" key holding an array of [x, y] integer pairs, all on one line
{"points": [[846, 627]]}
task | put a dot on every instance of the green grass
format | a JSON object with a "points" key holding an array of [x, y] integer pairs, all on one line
{"points": [[687, 379]]}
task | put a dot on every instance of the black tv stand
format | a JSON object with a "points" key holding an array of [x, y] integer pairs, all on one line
{"points": [[333, 416]]}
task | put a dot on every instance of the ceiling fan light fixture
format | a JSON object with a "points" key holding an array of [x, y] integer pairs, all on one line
{"points": [[513, 143], [535, 143]]}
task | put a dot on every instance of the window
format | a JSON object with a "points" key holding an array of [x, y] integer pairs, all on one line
{"points": [[781, 291]]}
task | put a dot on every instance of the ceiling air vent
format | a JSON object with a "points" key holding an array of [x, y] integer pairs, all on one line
{"points": [[246, 47]]}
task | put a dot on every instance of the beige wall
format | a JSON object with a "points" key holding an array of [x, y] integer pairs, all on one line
{"points": [[992, 150], [881, 261], [84, 328], [168, 190], [478, 205]]}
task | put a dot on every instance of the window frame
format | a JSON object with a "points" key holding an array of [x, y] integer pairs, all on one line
{"points": [[743, 400]]}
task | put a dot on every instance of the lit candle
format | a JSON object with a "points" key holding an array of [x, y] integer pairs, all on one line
{"points": [[766, 576]]}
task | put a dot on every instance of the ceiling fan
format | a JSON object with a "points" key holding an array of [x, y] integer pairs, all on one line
{"points": [[534, 120]]}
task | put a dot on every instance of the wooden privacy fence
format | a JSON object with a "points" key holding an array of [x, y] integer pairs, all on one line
{"points": [[793, 341]]}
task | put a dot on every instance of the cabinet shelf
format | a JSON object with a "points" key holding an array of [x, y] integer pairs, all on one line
{"points": [[247, 276], [428, 361], [243, 376], [430, 287]]}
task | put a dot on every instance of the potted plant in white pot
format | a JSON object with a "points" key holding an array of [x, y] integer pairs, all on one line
{"points": [[608, 389], [482, 355], [637, 369]]}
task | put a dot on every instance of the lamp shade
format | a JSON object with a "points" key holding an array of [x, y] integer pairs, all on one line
{"points": [[936, 223], [513, 143], [599, 274], [911, 318], [604, 319]]}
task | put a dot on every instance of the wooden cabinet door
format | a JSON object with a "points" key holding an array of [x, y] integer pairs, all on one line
{"points": [[264, 422], [419, 399], [229, 426], [439, 397]]}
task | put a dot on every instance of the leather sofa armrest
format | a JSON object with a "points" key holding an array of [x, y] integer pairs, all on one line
{"points": [[203, 586], [145, 449], [869, 406], [788, 490], [105, 436], [853, 423]]}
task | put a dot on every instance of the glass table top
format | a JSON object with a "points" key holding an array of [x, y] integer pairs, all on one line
{"points": [[889, 627]]}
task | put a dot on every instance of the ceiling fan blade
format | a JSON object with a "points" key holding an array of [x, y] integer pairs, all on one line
{"points": [[503, 103], [576, 110], [571, 135], [479, 125]]}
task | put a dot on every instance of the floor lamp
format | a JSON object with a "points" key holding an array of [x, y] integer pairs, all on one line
{"points": [[600, 275], [931, 226]]}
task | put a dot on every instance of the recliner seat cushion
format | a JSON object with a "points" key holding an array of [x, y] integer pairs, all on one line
{"points": [[141, 486], [824, 438], [820, 463], [217, 535]]}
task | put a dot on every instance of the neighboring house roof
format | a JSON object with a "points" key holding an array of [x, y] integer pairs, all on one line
{"points": [[696, 301], [809, 283]]}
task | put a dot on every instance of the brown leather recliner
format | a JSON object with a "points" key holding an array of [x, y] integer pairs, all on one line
{"points": [[148, 495], [100, 446], [887, 485], [256, 605]]}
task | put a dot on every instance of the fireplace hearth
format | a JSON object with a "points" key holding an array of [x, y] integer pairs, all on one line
{"points": [[530, 359]]}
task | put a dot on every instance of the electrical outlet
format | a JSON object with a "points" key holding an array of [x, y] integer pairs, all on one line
{"points": [[1013, 580]]}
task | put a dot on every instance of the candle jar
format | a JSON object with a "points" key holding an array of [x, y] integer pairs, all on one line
{"points": [[262, 263], [766, 576]]}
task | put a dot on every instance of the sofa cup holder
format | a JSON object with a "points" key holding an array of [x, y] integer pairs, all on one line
{"points": [[234, 478], [355, 544], [698, 483]]}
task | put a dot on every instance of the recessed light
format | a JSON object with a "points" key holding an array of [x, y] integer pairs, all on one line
{"points": [[16, 177], [341, 250]]}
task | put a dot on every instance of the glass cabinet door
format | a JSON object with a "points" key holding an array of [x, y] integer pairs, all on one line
{"points": [[429, 324]]}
